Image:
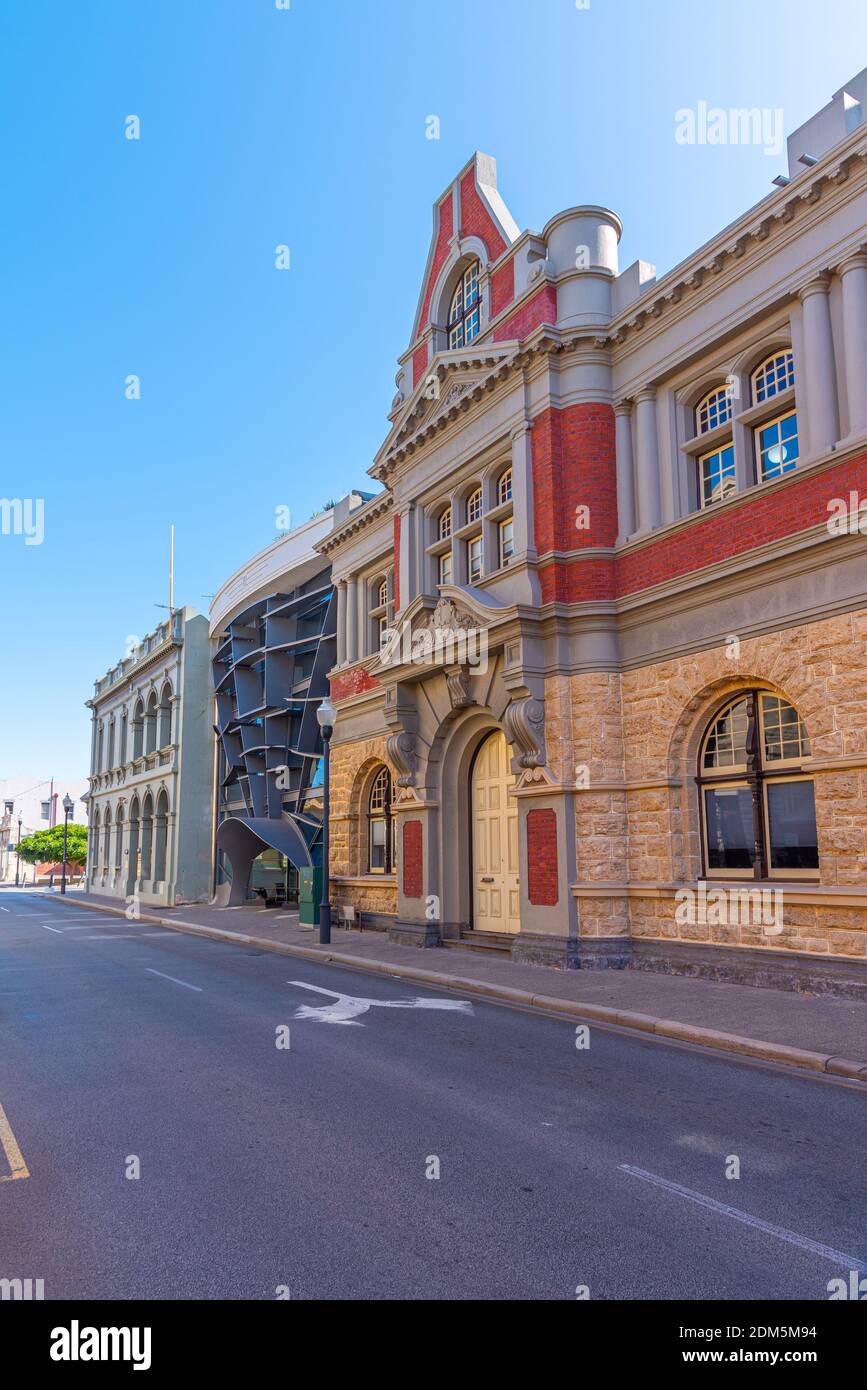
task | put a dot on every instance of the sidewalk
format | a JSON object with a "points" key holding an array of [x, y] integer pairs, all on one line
{"points": [[816, 1033]]}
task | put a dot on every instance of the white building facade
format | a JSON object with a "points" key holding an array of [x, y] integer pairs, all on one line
{"points": [[151, 778]]}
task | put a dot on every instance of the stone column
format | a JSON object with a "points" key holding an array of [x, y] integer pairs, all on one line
{"points": [[522, 491], [351, 620], [341, 622], [647, 470], [625, 472], [406, 560], [853, 278], [821, 384]]}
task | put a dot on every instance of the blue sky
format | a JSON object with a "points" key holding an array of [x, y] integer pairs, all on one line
{"points": [[306, 127]]}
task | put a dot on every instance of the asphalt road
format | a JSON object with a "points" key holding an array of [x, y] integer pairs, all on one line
{"points": [[304, 1168]]}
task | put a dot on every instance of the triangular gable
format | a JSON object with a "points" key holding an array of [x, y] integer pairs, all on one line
{"points": [[470, 207]]}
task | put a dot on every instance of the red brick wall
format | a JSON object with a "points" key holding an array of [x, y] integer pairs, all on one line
{"points": [[502, 287], [440, 255], [539, 308], [352, 682], [542, 877], [577, 581], [396, 520], [757, 520], [419, 364], [574, 464], [411, 859], [476, 220]]}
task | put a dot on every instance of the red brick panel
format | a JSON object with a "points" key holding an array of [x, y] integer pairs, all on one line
{"points": [[542, 875], [759, 519], [502, 287], [419, 364], [539, 308], [574, 466], [352, 682], [411, 859], [440, 255], [578, 581], [476, 220]]}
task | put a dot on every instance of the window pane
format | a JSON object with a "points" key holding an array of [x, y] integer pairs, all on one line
{"points": [[792, 825], [718, 475], [377, 844], [729, 812], [727, 741]]}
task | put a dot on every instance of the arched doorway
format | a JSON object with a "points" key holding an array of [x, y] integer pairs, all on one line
{"points": [[496, 895]]}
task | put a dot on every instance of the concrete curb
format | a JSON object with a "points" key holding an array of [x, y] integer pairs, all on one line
{"points": [[663, 1028]]}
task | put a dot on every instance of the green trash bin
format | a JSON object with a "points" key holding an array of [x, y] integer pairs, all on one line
{"points": [[309, 896]]}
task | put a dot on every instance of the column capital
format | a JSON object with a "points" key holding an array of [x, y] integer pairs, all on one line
{"points": [[856, 260], [647, 393], [624, 407], [818, 285], [518, 431]]}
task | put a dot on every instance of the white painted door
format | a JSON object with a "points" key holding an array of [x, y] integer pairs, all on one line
{"points": [[495, 840]]}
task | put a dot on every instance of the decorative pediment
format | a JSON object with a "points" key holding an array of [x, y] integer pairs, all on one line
{"points": [[451, 383]]}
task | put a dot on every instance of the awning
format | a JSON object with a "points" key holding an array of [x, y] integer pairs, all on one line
{"points": [[245, 839]]}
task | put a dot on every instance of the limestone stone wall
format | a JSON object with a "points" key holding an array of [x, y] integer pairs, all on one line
{"points": [[635, 739]]}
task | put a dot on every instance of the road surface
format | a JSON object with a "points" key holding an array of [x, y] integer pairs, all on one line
{"points": [[308, 1170]]}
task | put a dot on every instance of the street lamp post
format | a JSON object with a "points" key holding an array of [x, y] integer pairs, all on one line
{"points": [[68, 804], [325, 717], [18, 852]]}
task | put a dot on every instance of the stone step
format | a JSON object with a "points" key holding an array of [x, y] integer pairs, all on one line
{"points": [[482, 941]]}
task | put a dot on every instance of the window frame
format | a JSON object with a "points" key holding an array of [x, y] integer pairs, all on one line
{"points": [[385, 816], [778, 355], [463, 316], [717, 451], [757, 773], [506, 560], [716, 393], [476, 540], [761, 475]]}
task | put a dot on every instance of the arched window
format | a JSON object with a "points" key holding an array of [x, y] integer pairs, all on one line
{"points": [[775, 374], [118, 840], [465, 311], [165, 717], [94, 852], [122, 750], [777, 447], [380, 611], [714, 409], [161, 825], [106, 853], [147, 834], [757, 805], [474, 506], [506, 525], [138, 728], [444, 525], [134, 865], [110, 763], [150, 723], [380, 823]]}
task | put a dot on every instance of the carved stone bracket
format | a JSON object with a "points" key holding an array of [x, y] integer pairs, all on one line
{"points": [[402, 751], [524, 722], [460, 695]]}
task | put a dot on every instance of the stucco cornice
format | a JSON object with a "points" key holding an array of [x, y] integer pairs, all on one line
{"points": [[698, 276], [359, 521]]}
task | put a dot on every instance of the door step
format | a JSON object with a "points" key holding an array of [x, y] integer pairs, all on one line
{"points": [[500, 942]]}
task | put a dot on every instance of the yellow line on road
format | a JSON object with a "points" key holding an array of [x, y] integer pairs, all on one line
{"points": [[14, 1156]]}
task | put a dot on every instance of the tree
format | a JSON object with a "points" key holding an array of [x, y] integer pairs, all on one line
{"points": [[46, 846]]}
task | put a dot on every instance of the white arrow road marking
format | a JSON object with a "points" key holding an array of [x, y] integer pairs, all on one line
{"points": [[347, 1007], [814, 1247]]}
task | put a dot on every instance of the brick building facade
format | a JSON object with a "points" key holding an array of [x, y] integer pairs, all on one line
{"points": [[602, 637]]}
